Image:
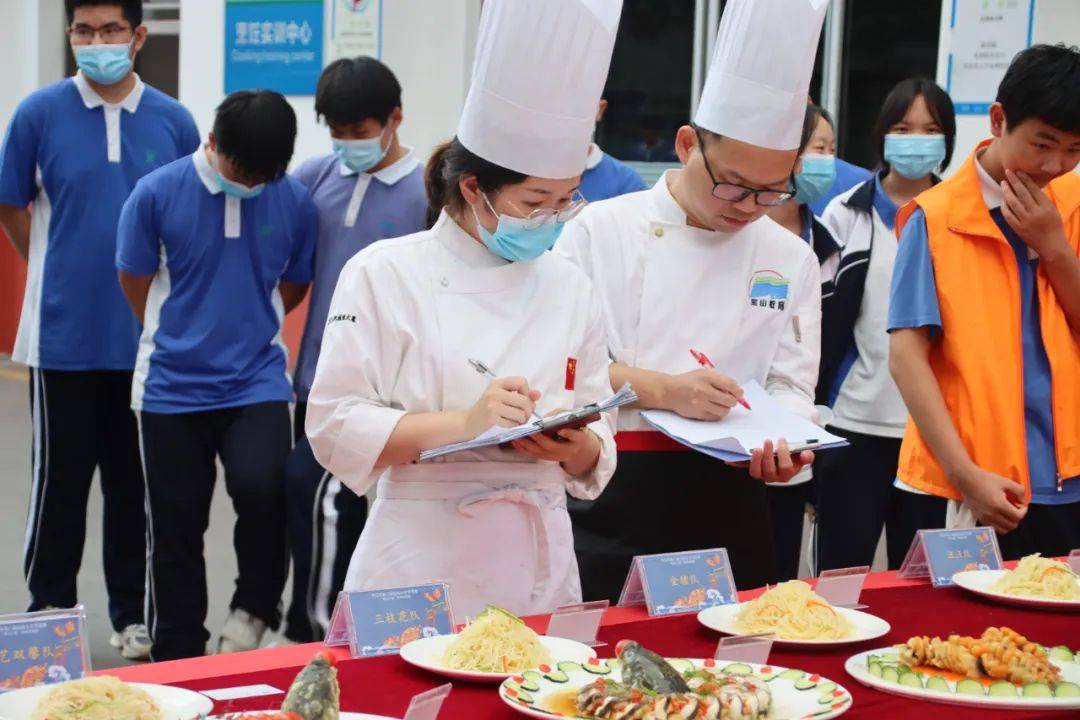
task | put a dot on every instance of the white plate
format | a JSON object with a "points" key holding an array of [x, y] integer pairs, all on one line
{"points": [[819, 694], [979, 582], [864, 625], [857, 667], [427, 653], [341, 716], [176, 703]]}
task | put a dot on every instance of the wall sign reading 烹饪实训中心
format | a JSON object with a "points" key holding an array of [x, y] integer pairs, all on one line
{"points": [[273, 45]]}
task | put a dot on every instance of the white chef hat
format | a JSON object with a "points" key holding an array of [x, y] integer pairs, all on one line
{"points": [[759, 79], [539, 73]]}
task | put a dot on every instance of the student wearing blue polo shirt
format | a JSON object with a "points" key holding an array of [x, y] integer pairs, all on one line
{"points": [[369, 188], [606, 177], [73, 151], [213, 250]]}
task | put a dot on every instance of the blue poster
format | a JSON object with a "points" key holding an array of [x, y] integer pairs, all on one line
{"points": [[41, 649], [273, 45]]}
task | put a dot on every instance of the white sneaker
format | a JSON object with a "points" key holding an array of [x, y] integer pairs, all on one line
{"points": [[133, 642], [242, 631]]}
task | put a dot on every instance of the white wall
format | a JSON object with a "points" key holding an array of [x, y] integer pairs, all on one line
{"points": [[32, 47], [1055, 21], [427, 43]]}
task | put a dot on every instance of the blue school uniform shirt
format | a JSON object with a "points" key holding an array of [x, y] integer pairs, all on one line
{"points": [[355, 210], [212, 328], [77, 159], [605, 177], [913, 303]]}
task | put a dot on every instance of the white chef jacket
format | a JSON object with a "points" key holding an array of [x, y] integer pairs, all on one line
{"points": [[749, 299], [406, 316]]}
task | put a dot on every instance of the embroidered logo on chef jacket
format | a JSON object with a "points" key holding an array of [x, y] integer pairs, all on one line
{"points": [[571, 372], [341, 317], [768, 290]]}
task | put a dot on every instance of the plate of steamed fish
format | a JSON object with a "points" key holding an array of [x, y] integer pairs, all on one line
{"points": [[999, 669], [641, 685]]}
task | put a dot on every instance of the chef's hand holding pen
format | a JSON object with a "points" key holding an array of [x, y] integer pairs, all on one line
{"points": [[507, 402]]}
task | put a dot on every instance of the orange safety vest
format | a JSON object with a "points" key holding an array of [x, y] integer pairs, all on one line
{"points": [[978, 358]]}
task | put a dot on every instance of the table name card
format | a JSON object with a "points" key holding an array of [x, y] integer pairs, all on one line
{"points": [[940, 554], [42, 648], [682, 582], [379, 622]]}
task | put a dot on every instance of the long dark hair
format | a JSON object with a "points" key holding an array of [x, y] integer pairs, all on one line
{"points": [[900, 99], [445, 168]]}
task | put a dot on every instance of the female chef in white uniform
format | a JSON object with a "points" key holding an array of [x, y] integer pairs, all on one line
{"points": [[694, 263], [408, 315]]}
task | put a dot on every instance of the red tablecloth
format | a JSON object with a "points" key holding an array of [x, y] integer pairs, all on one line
{"points": [[385, 685]]}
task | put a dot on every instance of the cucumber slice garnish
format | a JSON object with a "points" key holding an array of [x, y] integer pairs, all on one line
{"points": [[890, 674], [1037, 689], [738, 669], [826, 687], [792, 675], [967, 686], [805, 684], [1060, 652], [874, 669], [937, 683], [1002, 688], [1066, 689], [557, 676], [531, 681], [596, 667], [494, 609], [910, 679], [568, 666]]}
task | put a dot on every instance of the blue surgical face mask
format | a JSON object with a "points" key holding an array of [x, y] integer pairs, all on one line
{"points": [[914, 156], [816, 177], [515, 240], [105, 64], [235, 189], [360, 155]]}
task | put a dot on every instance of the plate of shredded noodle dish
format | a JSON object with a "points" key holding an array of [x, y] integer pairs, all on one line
{"points": [[103, 698], [493, 646], [796, 615], [1035, 581]]}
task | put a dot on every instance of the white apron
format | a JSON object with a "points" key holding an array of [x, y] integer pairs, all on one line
{"points": [[491, 523], [496, 532]]}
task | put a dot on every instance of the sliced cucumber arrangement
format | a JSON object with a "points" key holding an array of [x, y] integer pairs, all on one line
{"points": [[968, 686]]}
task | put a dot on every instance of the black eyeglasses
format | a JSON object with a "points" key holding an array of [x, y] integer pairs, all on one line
{"points": [[737, 193], [113, 33]]}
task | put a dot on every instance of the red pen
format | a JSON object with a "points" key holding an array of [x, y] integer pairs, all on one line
{"points": [[704, 361]]}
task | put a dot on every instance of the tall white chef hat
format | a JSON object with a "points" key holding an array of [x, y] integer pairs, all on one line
{"points": [[758, 82], [539, 73]]}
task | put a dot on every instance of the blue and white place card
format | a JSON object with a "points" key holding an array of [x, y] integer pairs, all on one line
{"points": [[42, 648], [379, 622], [940, 554], [682, 582]]}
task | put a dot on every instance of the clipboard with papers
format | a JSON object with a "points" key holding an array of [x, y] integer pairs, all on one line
{"points": [[732, 438], [576, 418]]}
